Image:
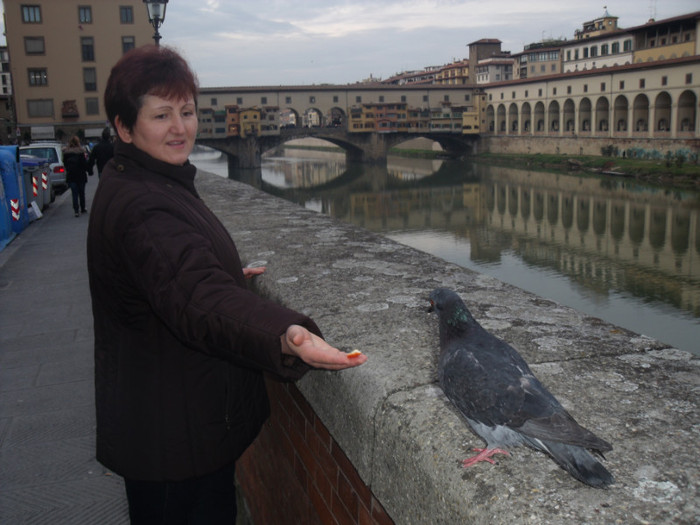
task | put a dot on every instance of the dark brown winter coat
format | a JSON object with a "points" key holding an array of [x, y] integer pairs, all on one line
{"points": [[180, 342]]}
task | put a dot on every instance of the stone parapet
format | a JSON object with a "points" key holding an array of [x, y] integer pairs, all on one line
{"points": [[389, 417]]}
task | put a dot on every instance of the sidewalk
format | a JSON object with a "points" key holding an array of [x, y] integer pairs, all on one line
{"points": [[48, 471]]}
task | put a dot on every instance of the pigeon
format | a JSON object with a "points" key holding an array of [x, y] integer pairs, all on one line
{"points": [[504, 403]]}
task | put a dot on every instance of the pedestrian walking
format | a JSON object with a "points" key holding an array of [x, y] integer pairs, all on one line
{"points": [[77, 169], [102, 152], [181, 342]]}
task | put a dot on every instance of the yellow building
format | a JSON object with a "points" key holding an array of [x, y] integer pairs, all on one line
{"points": [[603, 25], [250, 122], [453, 74], [666, 39], [61, 54]]}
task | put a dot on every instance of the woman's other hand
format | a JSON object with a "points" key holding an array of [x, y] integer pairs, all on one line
{"points": [[249, 273]]}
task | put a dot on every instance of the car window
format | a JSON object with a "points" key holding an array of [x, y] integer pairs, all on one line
{"points": [[45, 153]]}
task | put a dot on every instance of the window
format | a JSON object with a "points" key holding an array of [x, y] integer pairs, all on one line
{"points": [[585, 52], [34, 45], [627, 45], [84, 14], [664, 80], [446, 98], [615, 48], [288, 100], [263, 100], [602, 86], [214, 101], [358, 99], [37, 77], [92, 106], [526, 93], [335, 98], [594, 51], [554, 68], [126, 14], [87, 47], [539, 92], [239, 101], [31, 14], [554, 91], [688, 78], [90, 79], [425, 98], [128, 43], [568, 90], [512, 95], [604, 49], [585, 88], [568, 55], [642, 83], [467, 98], [40, 107]]}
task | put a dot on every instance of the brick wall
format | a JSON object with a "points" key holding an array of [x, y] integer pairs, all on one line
{"points": [[295, 472]]}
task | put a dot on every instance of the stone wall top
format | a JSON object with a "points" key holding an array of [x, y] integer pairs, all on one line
{"points": [[391, 417]]}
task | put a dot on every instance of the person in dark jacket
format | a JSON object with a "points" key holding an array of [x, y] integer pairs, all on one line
{"points": [[102, 152], [181, 343], [77, 169]]}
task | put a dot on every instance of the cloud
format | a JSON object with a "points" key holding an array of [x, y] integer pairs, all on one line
{"points": [[273, 42]]}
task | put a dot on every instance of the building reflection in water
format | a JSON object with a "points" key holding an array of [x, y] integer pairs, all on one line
{"points": [[604, 234]]}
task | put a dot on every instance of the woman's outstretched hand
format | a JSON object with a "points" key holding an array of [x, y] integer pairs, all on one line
{"points": [[314, 351]]}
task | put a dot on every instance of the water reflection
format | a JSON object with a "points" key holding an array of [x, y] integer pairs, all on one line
{"points": [[612, 248]]}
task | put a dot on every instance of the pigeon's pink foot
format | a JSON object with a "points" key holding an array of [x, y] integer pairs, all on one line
{"points": [[484, 454]]}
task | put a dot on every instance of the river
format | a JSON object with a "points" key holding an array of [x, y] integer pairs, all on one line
{"points": [[612, 248]]}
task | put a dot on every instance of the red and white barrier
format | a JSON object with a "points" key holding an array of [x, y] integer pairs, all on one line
{"points": [[14, 206]]}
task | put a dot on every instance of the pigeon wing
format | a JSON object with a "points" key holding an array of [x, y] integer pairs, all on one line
{"points": [[489, 382], [481, 388]]}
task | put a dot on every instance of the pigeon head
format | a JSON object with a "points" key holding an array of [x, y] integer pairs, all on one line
{"points": [[452, 312]]}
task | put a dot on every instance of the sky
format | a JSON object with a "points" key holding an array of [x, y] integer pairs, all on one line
{"points": [[304, 42]]}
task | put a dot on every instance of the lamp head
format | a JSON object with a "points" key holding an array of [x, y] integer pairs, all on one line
{"points": [[156, 11]]}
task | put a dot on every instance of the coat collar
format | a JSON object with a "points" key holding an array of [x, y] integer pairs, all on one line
{"points": [[183, 175]]}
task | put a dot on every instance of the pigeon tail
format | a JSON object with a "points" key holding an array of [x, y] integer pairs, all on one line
{"points": [[579, 463]]}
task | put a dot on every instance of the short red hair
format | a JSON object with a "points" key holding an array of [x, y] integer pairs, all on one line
{"points": [[147, 70]]}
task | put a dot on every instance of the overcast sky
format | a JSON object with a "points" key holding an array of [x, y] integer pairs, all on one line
{"points": [[290, 42]]}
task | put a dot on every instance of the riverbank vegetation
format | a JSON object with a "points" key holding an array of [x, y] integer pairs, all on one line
{"points": [[673, 170]]}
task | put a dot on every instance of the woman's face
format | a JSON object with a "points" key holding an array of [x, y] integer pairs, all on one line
{"points": [[165, 128]]}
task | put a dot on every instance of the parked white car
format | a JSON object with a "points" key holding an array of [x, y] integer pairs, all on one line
{"points": [[52, 153]]}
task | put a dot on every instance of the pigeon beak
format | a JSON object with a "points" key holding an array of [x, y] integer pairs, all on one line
{"points": [[431, 308]]}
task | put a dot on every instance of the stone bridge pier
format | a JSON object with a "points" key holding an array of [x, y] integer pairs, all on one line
{"points": [[368, 148]]}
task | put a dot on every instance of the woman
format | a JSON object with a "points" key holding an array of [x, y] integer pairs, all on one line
{"points": [[181, 344], [75, 162]]}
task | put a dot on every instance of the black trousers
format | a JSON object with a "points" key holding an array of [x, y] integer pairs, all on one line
{"points": [[209, 500], [77, 190]]}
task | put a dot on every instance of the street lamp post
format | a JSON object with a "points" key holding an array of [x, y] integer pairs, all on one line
{"points": [[156, 15]]}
